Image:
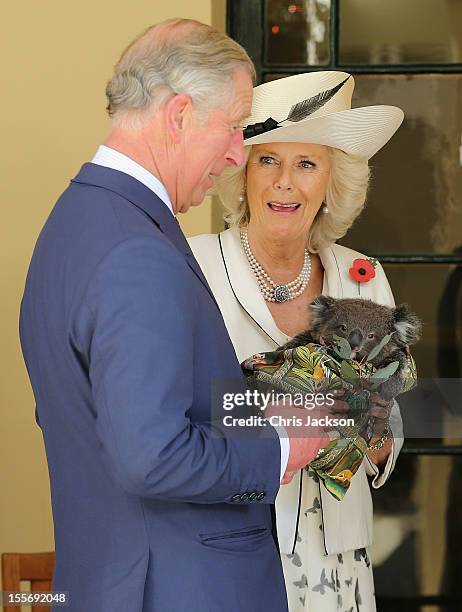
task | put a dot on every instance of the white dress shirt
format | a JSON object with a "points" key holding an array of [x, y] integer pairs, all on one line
{"points": [[110, 158]]}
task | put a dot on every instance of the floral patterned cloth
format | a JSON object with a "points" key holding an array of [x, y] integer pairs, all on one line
{"points": [[311, 369]]}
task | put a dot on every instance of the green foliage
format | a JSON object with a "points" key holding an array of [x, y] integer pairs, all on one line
{"points": [[341, 347], [384, 374], [347, 371], [376, 350], [350, 371]]}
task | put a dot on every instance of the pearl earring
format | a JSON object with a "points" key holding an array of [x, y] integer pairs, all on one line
{"points": [[242, 197], [325, 209]]}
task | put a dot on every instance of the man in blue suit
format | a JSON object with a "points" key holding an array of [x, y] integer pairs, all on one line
{"points": [[155, 508]]}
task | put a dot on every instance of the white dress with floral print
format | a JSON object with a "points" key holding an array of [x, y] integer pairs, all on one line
{"points": [[317, 582]]}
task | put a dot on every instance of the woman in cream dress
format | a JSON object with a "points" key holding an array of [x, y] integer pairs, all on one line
{"points": [[304, 183]]}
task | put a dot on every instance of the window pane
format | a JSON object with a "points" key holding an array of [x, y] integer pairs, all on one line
{"points": [[272, 76], [297, 32], [434, 293], [397, 32], [415, 199], [417, 533]]}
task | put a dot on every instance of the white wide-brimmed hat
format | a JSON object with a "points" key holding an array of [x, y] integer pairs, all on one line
{"points": [[316, 108], [313, 108]]}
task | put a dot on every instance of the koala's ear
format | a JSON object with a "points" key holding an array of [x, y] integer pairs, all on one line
{"points": [[407, 325], [320, 306]]}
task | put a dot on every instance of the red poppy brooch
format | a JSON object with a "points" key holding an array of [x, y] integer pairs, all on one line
{"points": [[362, 270]]}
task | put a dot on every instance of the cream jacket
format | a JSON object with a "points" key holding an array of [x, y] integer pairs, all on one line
{"points": [[347, 525]]}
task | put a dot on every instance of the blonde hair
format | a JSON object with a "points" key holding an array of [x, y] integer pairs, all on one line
{"points": [[345, 198], [178, 56]]}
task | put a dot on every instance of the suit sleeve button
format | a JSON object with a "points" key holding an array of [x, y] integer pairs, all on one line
{"points": [[236, 498], [261, 496], [252, 496], [244, 497]]}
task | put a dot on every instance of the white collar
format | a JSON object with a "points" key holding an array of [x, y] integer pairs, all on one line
{"points": [[110, 158]]}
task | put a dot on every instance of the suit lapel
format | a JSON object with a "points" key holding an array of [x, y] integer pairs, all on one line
{"points": [[333, 271], [245, 287], [175, 234], [146, 200]]}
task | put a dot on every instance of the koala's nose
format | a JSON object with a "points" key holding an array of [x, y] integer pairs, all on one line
{"points": [[355, 339]]}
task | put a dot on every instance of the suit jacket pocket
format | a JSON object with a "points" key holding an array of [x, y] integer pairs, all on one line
{"points": [[246, 539]]}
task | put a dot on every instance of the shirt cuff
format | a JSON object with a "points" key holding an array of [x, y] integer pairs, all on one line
{"points": [[285, 448]]}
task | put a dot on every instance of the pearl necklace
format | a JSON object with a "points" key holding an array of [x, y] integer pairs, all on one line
{"points": [[272, 292]]}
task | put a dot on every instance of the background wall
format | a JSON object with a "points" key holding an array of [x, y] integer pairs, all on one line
{"points": [[57, 58]]}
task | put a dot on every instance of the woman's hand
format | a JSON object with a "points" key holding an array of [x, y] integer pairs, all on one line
{"points": [[380, 409]]}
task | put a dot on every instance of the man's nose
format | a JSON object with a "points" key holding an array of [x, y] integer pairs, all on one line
{"points": [[355, 338], [235, 154]]}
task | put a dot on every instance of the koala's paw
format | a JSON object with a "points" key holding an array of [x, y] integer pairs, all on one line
{"points": [[391, 388]]}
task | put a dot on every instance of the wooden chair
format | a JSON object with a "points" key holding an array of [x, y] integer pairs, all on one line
{"points": [[37, 568]]}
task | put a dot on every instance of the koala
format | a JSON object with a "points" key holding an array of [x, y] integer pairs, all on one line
{"points": [[364, 324]]}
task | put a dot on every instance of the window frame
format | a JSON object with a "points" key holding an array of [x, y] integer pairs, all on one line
{"points": [[245, 24]]}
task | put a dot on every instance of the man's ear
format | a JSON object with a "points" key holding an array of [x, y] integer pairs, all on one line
{"points": [[177, 111]]}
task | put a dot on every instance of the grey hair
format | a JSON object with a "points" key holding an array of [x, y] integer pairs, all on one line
{"points": [[196, 60], [345, 198]]}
